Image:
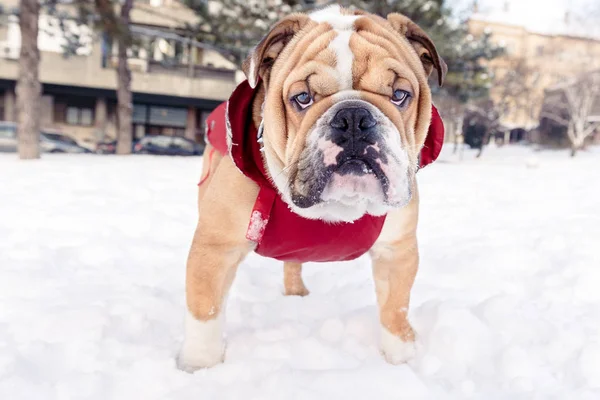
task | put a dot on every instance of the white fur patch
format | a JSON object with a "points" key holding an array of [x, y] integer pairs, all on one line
{"points": [[344, 58], [330, 151], [344, 26], [351, 190], [203, 344], [252, 74], [395, 350], [228, 132], [333, 16]]}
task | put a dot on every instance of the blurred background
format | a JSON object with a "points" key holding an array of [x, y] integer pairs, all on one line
{"points": [[128, 76], [93, 243]]}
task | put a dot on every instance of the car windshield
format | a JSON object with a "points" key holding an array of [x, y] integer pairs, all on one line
{"points": [[160, 141], [183, 144], [59, 137], [8, 131]]}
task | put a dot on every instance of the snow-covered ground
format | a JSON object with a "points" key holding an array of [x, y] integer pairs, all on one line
{"points": [[506, 304]]}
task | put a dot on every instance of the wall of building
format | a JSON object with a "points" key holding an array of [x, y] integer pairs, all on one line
{"points": [[548, 60], [185, 92], [87, 71], [212, 76]]}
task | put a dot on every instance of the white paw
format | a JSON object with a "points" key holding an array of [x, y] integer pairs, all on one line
{"points": [[203, 344], [395, 350]]}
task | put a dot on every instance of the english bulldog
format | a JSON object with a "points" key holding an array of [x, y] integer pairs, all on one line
{"points": [[315, 160]]}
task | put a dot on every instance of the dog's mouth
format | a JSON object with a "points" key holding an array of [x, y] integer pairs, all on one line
{"points": [[352, 180], [354, 166]]}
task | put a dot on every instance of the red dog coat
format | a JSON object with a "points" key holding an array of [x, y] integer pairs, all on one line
{"points": [[279, 232]]}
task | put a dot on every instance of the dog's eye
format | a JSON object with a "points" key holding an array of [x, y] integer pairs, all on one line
{"points": [[400, 97], [303, 100]]}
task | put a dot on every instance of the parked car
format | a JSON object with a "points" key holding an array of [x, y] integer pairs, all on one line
{"points": [[55, 142], [50, 141], [109, 147], [8, 137], [167, 145]]}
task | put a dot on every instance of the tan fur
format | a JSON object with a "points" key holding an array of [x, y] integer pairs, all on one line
{"points": [[219, 243], [372, 64], [395, 258], [292, 278], [382, 61], [209, 166]]}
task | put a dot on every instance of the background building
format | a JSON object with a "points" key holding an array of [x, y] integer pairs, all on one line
{"points": [[176, 81], [536, 58]]}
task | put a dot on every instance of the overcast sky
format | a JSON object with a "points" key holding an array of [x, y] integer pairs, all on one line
{"points": [[540, 15]]}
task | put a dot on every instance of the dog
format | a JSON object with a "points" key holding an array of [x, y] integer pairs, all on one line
{"points": [[317, 162]]}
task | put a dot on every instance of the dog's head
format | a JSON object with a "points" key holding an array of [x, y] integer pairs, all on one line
{"points": [[346, 111]]}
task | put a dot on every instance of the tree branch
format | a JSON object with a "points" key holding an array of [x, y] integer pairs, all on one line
{"points": [[556, 118], [590, 129]]}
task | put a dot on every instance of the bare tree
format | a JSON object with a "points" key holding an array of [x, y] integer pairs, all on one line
{"points": [[575, 106], [116, 26], [513, 93], [28, 88], [452, 112]]}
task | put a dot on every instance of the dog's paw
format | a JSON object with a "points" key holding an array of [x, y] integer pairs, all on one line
{"points": [[203, 345], [297, 291], [193, 360], [395, 350]]}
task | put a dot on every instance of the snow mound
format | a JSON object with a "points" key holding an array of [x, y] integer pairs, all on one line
{"points": [[505, 306]]}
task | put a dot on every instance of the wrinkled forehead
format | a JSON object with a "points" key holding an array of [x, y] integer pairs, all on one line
{"points": [[344, 46], [343, 25]]}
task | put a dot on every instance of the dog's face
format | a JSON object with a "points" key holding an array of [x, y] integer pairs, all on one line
{"points": [[346, 111]]}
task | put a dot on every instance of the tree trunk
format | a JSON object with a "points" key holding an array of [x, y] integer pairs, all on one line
{"points": [[28, 88], [124, 99], [577, 142], [576, 147], [124, 96]]}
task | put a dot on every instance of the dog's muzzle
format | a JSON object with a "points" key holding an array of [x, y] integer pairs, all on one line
{"points": [[352, 156]]}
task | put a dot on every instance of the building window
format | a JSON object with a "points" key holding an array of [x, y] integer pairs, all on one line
{"points": [[74, 110], [86, 116], [72, 116], [79, 116], [140, 114], [175, 117]]}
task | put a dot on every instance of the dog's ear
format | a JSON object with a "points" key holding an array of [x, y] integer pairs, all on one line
{"points": [[421, 43], [263, 56]]}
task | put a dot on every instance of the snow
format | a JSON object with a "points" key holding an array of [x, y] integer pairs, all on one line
{"points": [[256, 226], [505, 306]]}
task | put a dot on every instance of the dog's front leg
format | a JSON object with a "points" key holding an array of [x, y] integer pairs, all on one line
{"points": [[219, 245], [395, 262], [210, 271]]}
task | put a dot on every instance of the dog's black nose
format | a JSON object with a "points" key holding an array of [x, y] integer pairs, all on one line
{"points": [[353, 128]]}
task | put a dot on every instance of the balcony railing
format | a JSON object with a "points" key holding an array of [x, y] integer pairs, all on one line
{"points": [[194, 71], [183, 70]]}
